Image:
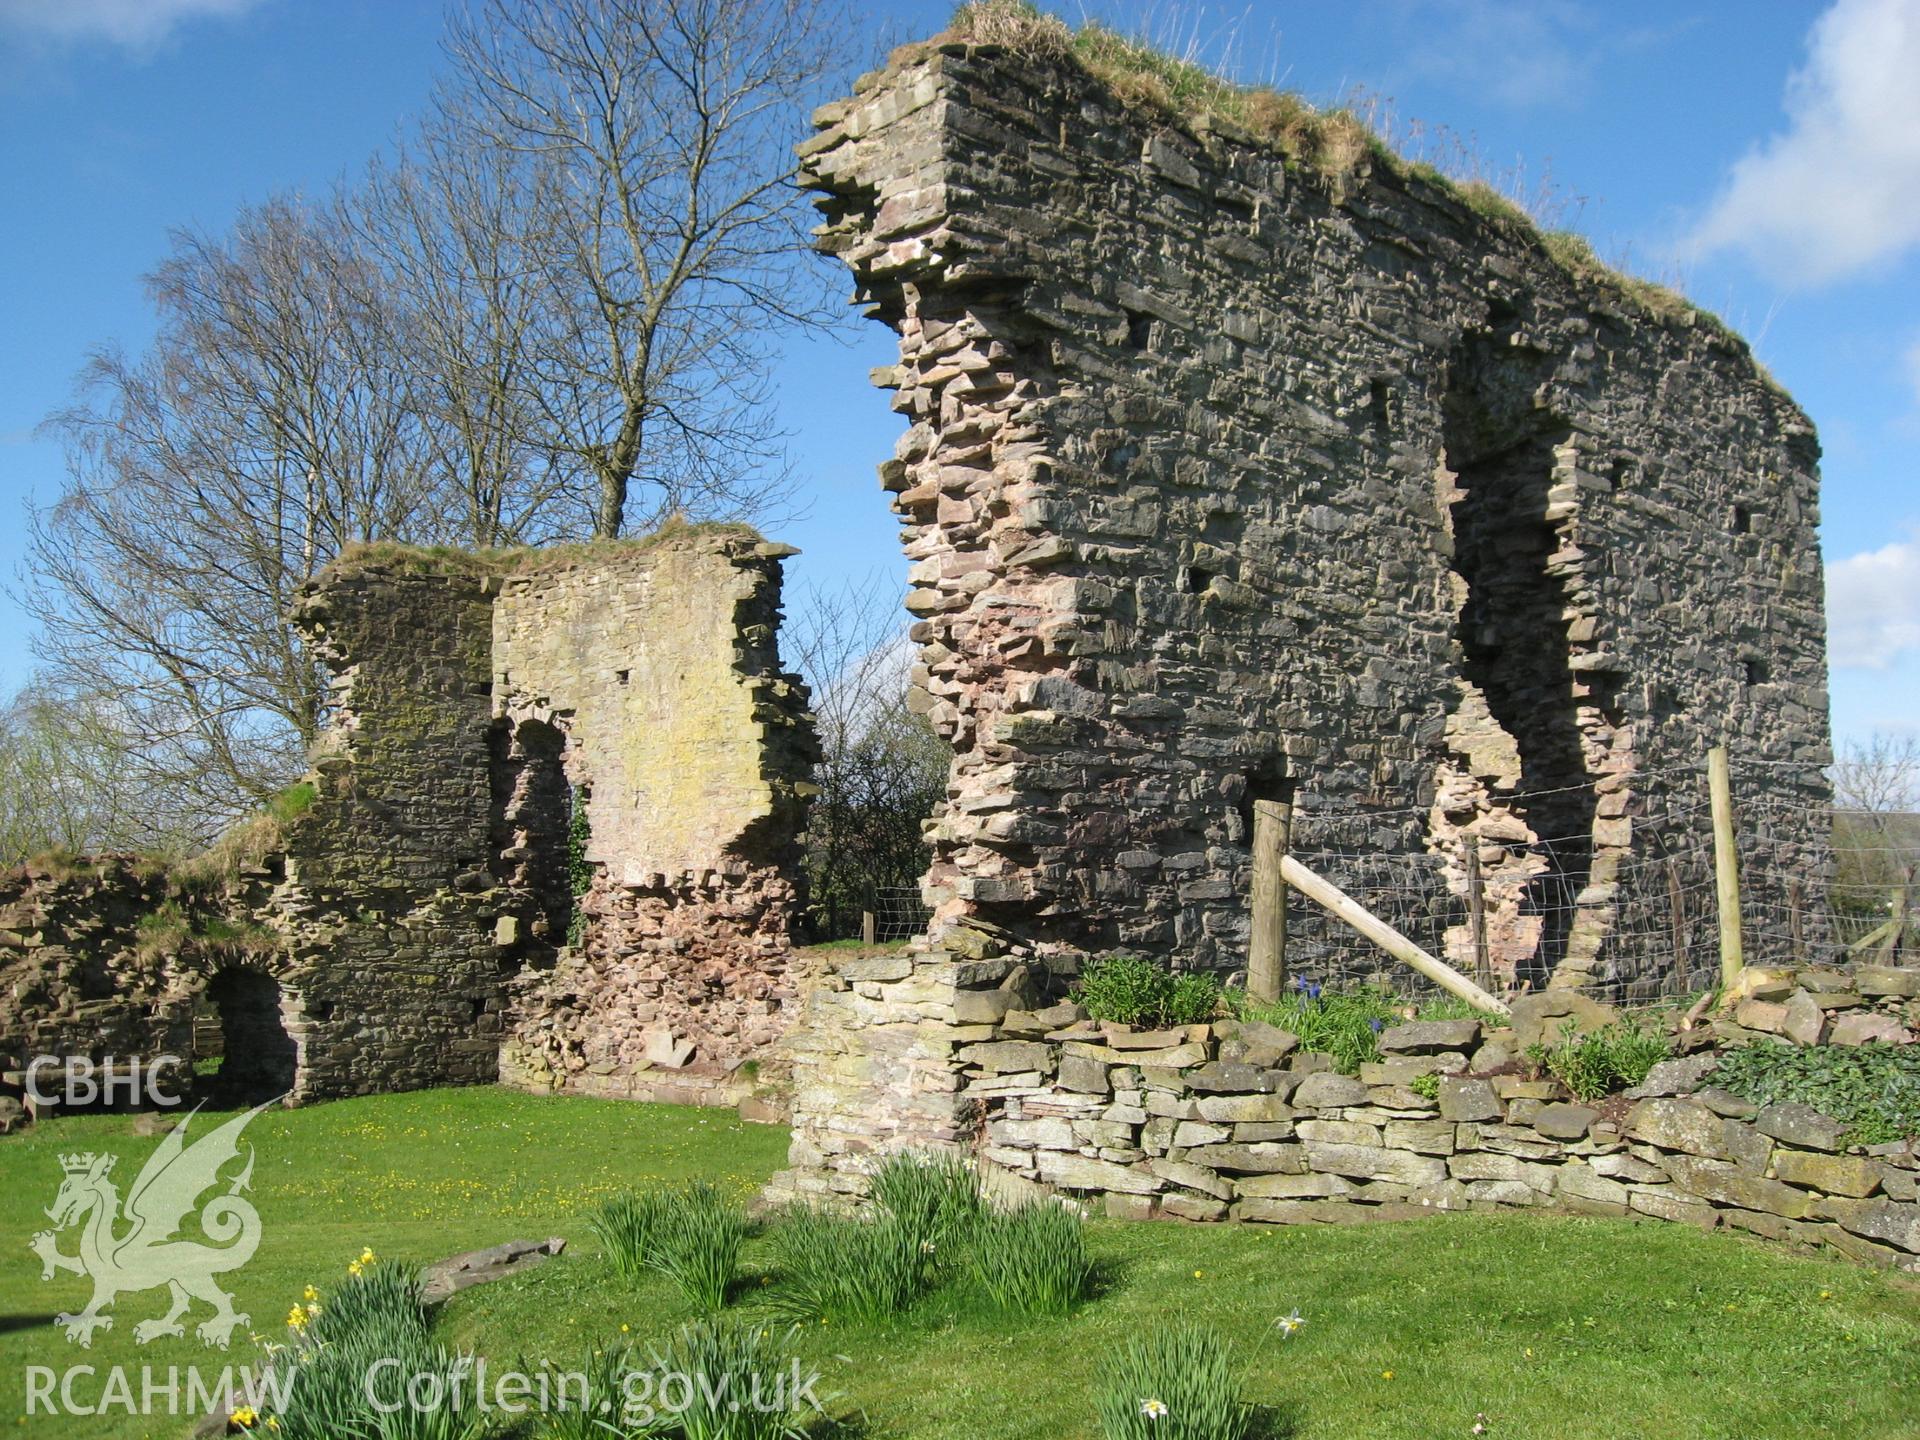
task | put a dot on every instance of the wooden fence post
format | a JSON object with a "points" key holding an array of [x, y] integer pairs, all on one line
{"points": [[1267, 945], [1477, 914], [1726, 864], [869, 928]]}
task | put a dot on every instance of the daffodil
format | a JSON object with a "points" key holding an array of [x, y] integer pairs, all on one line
{"points": [[1288, 1324], [1154, 1409]]}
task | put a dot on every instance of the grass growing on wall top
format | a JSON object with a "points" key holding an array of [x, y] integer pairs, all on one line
{"points": [[529, 559], [1332, 142]]}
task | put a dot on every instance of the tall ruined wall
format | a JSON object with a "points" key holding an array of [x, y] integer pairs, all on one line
{"points": [[654, 678], [406, 916], [391, 913], [1227, 479]]}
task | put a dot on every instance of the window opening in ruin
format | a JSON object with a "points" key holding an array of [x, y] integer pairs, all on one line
{"points": [[1194, 580], [1139, 330], [1757, 672], [1742, 520], [258, 1058]]}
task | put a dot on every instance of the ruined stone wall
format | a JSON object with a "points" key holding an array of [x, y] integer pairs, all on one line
{"points": [[688, 745], [392, 915], [1228, 480], [411, 925]]}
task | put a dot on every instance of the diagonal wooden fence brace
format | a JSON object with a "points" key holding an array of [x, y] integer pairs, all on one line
{"points": [[1346, 908]]}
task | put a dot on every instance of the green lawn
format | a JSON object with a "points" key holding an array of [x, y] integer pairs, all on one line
{"points": [[1555, 1328]]}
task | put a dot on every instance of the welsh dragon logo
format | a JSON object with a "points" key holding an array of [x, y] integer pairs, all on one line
{"points": [[134, 1248]]}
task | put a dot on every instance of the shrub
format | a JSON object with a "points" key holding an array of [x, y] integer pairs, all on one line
{"points": [[1172, 1384], [692, 1235], [936, 1198], [1601, 1061], [712, 1380], [1874, 1089], [1032, 1260], [1137, 990], [1426, 1086], [847, 1268], [696, 1243], [743, 1385]]}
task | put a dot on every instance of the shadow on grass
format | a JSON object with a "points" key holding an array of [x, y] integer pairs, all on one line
{"points": [[1275, 1422], [10, 1323]]}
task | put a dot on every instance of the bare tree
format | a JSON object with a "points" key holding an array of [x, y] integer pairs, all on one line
{"points": [[662, 133], [1876, 802], [883, 769], [268, 426], [62, 783], [556, 296]]}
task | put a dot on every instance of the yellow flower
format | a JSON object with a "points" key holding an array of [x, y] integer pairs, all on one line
{"points": [[1386, 1374], [310, 1293], [297, 1318], [243, 1417], [1198, 1274], [625, 1328], [1528, 1352]]}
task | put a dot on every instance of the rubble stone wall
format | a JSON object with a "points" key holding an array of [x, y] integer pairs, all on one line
{"points": [[393, 969], [691, 751], [1230, 479]]}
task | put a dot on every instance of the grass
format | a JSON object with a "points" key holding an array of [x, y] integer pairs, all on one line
{"points": [[1563, 1326], [528, 559]]}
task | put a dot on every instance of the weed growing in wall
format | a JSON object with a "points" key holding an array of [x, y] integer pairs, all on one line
{"points": [[1137, 990], [579, 868], [1873, 1088], [1601, 1061]]}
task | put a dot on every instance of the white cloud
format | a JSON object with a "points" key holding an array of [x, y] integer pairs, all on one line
{"points": [[1834, 193], [136, 24], [1873, 606]]}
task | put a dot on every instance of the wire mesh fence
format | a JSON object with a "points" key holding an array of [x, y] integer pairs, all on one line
{"points": [[1634, 919], [898, 913]]}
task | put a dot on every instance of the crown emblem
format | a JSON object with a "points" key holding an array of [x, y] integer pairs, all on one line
{"points": [[80, 1162]]}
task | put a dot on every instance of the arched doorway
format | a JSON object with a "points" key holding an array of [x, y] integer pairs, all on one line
{"points": [[258, 1056]]}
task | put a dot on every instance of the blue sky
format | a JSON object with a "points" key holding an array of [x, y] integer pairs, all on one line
{"points": [[1764, 155]]}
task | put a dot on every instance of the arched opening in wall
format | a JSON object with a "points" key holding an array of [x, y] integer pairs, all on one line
{"points": [[1514, 633], [258, 1059], [532, 808]]}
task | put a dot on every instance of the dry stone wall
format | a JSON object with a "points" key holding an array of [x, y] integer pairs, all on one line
{"points": [[1235, 1121], [1226, 480]]}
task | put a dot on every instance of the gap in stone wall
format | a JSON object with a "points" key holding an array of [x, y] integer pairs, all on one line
{"points": [[258, 1056]]}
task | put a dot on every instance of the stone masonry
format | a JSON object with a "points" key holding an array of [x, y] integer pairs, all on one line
{"points": [[414, 923], [1231, 478]]}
